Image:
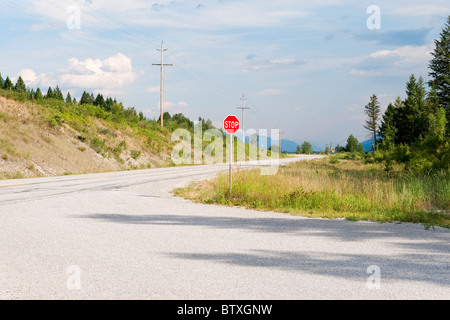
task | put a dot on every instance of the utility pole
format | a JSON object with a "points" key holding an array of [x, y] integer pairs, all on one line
{"points": [[280, 132], [162, 81], [243, 119]]}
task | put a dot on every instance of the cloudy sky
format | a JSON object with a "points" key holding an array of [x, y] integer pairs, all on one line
{"points": [[309, 65]]}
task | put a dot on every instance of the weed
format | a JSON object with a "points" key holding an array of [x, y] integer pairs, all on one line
{"points": [[135, 154], [98, 145], [348, 189]]}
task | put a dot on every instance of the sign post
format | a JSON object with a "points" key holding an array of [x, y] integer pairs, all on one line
{"points": [[231, 126]]}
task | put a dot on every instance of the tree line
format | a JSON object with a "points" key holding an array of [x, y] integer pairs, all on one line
{"points": [[108, 104], [415, 131], [104, 107]]}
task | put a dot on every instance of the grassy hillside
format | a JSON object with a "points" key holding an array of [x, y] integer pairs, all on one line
{"points": [[47, 137]]}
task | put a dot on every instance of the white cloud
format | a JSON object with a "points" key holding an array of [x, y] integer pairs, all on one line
{"points": [[283, 61], [110, 14], [365, 73], [409, 53], [109, 77], [169, 106], [113, 73], [269, 92], [153, 89], [28, 76], [420, 10], [406, 59], [259, 64]]}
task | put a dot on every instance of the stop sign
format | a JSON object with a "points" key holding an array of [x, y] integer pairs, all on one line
{"points": [[231, 124]]}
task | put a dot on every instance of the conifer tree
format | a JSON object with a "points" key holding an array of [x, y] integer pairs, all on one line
{"points": [[50, 94], [20, 85], [373, 111], [8, 85], [99, 101], [388, 129], [57, 94], [39, 94], [31, 94], [440, 68]]}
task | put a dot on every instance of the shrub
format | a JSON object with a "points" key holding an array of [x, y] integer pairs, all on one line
{"points": [[82, 139], [334, 160], [97, 145], [135, 154]]}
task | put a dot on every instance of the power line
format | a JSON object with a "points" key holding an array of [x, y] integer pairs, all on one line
{"points": [[243, 108], [162, 65]]}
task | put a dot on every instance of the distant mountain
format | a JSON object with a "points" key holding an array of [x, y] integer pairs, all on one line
{"points": [[266, 142], [288, 146], [367, 145], [1, 79]]}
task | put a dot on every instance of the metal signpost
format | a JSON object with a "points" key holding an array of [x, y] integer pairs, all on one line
{"points": [[231, 126]]}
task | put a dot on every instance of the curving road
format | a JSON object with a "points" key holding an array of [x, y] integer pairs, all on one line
{"points": [[123, 236]]}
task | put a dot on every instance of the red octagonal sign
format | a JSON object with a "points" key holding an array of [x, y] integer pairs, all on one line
{"points": [[231, 124]]}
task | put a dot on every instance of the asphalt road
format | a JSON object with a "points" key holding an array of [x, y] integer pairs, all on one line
{"points": [[123, 236]]}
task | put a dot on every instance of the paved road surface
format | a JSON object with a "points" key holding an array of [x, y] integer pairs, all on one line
{"points": [[123, 236]]}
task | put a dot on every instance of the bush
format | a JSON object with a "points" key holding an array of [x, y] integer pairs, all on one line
{"points": [[82, 139], [334, 160], [135, 154], [97, 145], [401, 154]]}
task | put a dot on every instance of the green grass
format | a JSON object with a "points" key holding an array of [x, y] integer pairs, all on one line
{"points": [[334, 189]]}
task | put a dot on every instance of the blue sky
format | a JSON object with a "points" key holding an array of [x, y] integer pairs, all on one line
{"points": [[309, 65]]}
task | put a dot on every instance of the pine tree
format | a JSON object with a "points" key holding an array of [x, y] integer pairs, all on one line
{"points": [[8, 84], [99, 101], [353, 145], [109, 104], [31, 94], [413, 118], [440, 68], [39, 94], [68, 98], [57, 94], [86, 98], [388, 129], [2, 82], [373, 111], [433, 102], [403, 124], [20, 85], [50, 94]]}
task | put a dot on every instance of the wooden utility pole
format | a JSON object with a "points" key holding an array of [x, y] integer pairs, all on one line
{"points": [[280, 132], [243, 118], [162, 81]]}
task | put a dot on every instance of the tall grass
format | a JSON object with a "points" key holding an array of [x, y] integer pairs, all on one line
{"points": [[347, 189]]}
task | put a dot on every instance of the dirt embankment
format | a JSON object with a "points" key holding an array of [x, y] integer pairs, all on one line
{"points": [[30, 147]]}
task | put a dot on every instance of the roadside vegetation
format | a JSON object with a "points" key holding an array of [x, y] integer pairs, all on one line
{"points": [[48, 134], [335, 187], [405, 177]]}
